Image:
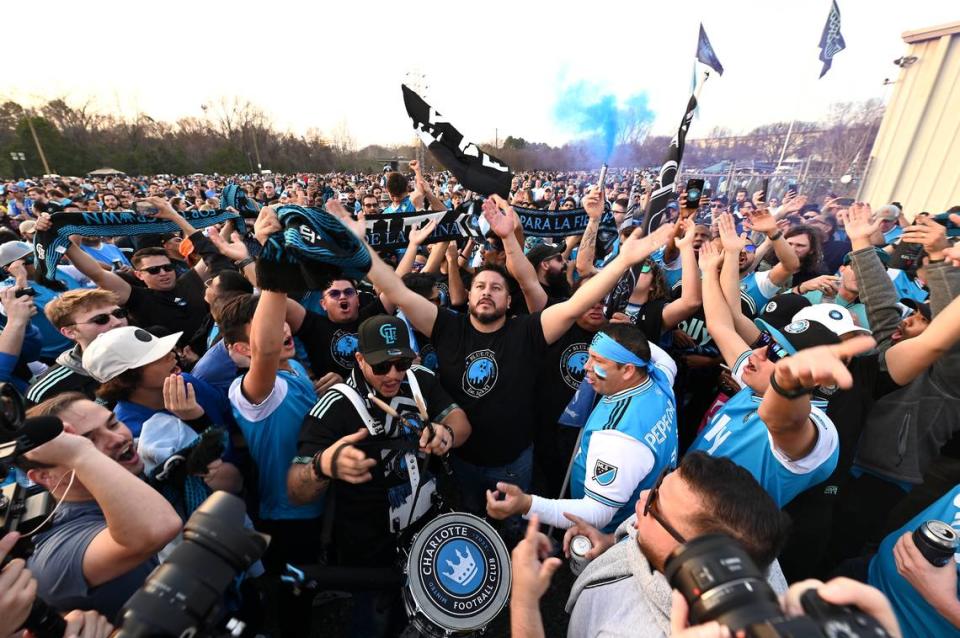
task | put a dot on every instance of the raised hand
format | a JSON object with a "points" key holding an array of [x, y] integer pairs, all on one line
{"points": [[500, 215], [821, 365], [266, 225], [637, 248], [858, 221], [928, 232], [763, 222], [710, 259], [592, 202], [688, 228], [419, 235], [234, 249], [357, 226], [729, 239]]}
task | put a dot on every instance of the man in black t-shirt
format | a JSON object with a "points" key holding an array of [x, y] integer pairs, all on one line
{"points": [[487, 360], [331, 340], [376, 494]]}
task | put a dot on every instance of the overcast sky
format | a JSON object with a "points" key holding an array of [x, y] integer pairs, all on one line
{"points": [[490, 65]]}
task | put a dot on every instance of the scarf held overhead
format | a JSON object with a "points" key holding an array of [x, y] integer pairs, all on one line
{"points": [[388, 232], [50, 245]]}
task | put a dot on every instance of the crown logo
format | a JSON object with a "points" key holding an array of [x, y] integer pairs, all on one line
{"points": [[464, 571]]}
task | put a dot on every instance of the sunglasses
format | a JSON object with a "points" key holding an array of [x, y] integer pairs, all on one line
{"points": [[775, 352], [348, 293], [648, 508], [750, 248], [104, 318], [156, 270], [402, 365]]}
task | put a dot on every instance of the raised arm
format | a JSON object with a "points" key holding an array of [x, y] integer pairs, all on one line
{"points": [[503, 221], [690, 297], [588, 243], [90, 267], [788, 418], [558, 318], [765, 223], [733, 245], [421, 312], [458, 292], [415, 239], [719, 319]]}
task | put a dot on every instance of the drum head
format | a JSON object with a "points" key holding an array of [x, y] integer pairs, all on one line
{"points": [[458, 572]]}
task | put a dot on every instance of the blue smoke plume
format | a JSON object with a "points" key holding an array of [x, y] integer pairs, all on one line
{"points": [[586, 110]]}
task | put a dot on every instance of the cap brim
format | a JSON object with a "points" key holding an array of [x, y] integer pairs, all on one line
{"points": [[379, 356], [778, 336], [160, 348]]}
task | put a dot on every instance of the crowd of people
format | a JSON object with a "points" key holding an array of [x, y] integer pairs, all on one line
{"points": [[779, 370]]}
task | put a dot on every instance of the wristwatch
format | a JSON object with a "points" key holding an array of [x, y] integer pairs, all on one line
{"points": [[777, 235]]}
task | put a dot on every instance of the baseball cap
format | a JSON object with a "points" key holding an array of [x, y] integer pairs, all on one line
{"points": [[540, 252], [116, 351], [28, 226], [781, 308], [922, 308], [799, 335], [833, 316], [382, 338], [13, 250]]}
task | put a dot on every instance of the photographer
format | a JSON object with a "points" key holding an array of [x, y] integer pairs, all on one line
{"points": [[102, 541], [18, 591], [623, 591]]}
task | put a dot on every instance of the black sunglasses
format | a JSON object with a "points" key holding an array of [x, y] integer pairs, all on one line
{"points": [[104, 318], [156, 270], [402, 365], [648, 508]]}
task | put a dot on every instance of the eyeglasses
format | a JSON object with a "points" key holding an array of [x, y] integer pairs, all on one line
{"points": [[648, 508], [347, 293], [402, 365], [156, 270], [104, 318]]}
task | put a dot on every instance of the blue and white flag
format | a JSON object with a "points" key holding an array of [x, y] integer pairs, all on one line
{"points": [[706, 54], [831, 41]]}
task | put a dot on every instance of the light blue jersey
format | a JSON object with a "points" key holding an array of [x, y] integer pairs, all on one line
{"points": [[627, 440], [917, 618], [757, 289], [271, 429], [737, 433]]}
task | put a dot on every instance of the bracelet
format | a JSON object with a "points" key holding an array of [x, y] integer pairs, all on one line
{"points": [[243, 263], [777, 235], [318, 467], [449, 430], [788, 394]]}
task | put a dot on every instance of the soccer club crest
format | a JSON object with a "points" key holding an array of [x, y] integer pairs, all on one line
{"points": [[604, 473], [573, 361], [342, 348], [458, 573], [480, 373]]}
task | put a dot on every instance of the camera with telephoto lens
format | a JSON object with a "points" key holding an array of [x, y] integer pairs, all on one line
{"points": [[720, 582], [184, 596], [937, 541]]}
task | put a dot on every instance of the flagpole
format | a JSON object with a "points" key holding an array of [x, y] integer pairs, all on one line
{"points": [[786, 141]]}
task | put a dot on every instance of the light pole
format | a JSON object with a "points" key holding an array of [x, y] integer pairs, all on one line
{"points": [[22, 158]]}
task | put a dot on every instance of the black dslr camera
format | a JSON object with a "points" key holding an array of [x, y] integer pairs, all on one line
{"points": [[720, 582], [184, 596], [21, 508]]}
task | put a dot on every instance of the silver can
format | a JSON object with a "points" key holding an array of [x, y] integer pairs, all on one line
{"points": [[579, 546]]}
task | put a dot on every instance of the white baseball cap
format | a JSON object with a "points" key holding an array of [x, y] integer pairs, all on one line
{"points": [[834, 316], [114, 352], [11, 251]]}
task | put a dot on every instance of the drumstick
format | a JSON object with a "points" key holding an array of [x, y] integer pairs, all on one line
{"points": [[383, 406], [422, 407]]}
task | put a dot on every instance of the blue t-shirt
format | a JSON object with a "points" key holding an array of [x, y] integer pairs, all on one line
{"points": [[216, 368], [57, 563], [213, 402], [271, 429], [107, 254], [53, 342], [405, 206], [916, 616], [737, 433], [643, 413]]}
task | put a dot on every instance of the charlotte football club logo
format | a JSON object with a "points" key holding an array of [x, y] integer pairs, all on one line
{"points": [[461, 570], [604, 473], [480, 373], [573, 361], [389, 333], [342, 347]]}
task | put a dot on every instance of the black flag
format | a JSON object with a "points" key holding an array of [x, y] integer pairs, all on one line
{"points": [[477, 171], [668, 173], [831, 40]]}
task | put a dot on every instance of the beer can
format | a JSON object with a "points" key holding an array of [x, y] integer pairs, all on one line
{"points": [[937, 541], [579, 546]]}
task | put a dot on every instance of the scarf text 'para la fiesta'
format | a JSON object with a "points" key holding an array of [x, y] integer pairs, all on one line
{"points": [[50, 245]]}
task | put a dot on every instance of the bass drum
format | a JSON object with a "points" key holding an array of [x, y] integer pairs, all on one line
{"points": [[458, 577]]}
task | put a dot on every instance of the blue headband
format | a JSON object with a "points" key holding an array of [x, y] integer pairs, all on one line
{"points": [[607, 347]]}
